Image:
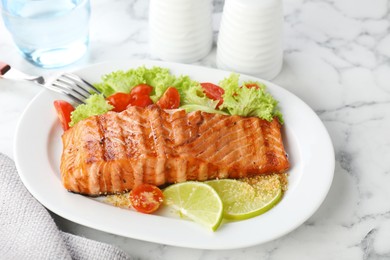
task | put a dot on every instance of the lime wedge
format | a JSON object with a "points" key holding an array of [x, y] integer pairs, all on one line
{"points": [[197, 201], [249, 197]]}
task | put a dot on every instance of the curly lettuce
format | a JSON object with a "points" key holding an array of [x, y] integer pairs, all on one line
{"points": [[124, 81], [94, 105], [238, 100], [195, 99], [248, 101]]}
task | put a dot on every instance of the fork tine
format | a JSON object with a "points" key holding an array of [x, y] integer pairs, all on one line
{"points": [[71, 85], [74, 87], [81, 82], [69, 88], [65, 92]]}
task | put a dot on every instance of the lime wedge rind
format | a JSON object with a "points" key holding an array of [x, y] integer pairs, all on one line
{"points": [[208, 203], [257, 212], [244, 199], [196, 201]]}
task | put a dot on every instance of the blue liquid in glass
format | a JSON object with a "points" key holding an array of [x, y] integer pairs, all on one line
{"points": [[49, 33]]}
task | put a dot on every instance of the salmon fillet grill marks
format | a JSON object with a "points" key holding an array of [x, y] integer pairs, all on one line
{"points": [[113, 152]]}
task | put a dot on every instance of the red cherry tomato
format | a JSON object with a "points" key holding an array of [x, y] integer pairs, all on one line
{"points": [[119, 101], [170, 99], [141, 89], [140, 100], [64, 109], [146, 198], [213, 91]]}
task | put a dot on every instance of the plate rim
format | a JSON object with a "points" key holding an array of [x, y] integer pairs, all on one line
{"points": [[217, 246]]}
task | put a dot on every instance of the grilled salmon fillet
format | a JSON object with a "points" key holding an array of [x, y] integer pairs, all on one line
{"points": [[111, 153]]}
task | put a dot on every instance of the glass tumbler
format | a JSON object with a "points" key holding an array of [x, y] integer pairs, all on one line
{"points": [[48, 33]]}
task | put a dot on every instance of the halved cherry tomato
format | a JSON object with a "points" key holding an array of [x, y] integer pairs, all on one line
{"points": [[213, 91], [146, 198], [140, 100], [119, 101], [170, 99], [141, 89], [64, 109]]}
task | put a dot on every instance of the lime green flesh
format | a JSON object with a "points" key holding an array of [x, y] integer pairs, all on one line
{"points": [[197, 201], [248, 198]]}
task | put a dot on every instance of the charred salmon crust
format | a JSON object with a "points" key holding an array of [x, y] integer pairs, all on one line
{"points": [[111, 153]]}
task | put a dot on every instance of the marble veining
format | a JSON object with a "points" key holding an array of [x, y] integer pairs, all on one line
{"points": [[337, 60]]}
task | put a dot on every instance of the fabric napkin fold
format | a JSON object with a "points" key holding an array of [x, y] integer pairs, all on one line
{"points": [[27, 230]]}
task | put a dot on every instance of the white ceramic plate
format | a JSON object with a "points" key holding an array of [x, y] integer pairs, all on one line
{"points": [[38, 149]]}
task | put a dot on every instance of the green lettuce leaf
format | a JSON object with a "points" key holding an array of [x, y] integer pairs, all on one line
{"points": [[181, 83], [196, 96], [195, 99], [124, 81], [157, 77], [238, 100], [245, 101], [94, 105]]}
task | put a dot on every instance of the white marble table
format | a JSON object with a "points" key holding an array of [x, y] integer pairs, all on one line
{"points": [[337, 59]]}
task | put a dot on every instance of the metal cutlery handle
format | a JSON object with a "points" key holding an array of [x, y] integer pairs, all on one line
{"points": [[7, 72], [67, 84]]}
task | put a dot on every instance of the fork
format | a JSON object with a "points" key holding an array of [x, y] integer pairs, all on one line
{"points": [[67, 84]]}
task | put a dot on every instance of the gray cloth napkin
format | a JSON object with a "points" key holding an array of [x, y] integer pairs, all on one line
{"points": [[27, 231]]}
